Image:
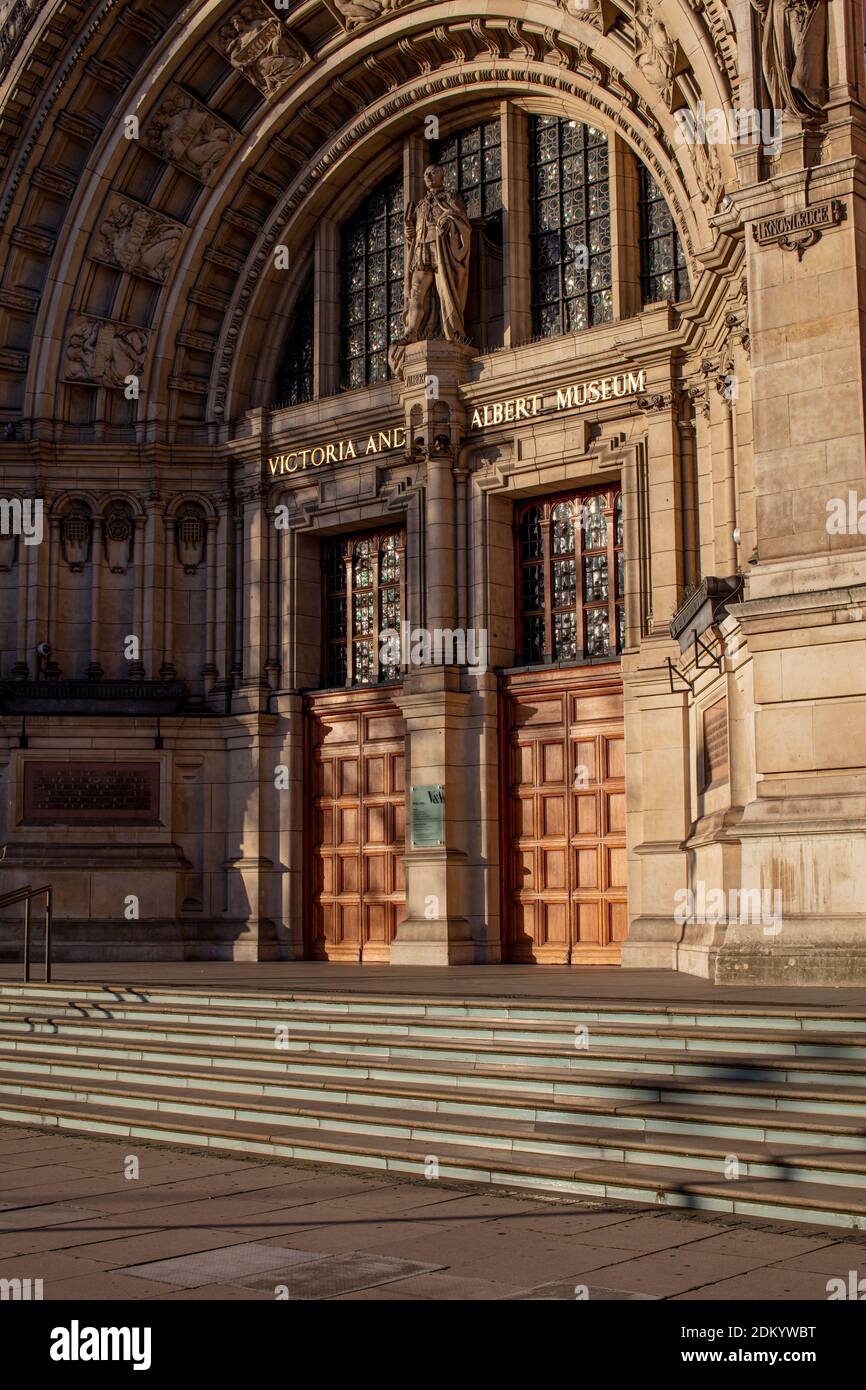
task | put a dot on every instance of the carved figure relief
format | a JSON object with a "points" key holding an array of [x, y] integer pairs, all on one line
{"points": [[138, 241], [117, 534], [794, 54], [256, 43], [75, 533], [438, 242], [708, 173], [355, 12], [188, 134], [593, 12], [103, 353], [655, 50]]}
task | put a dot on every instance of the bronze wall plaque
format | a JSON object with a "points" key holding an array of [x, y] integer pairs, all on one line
{"points": [[91, 793], [716, 743]]}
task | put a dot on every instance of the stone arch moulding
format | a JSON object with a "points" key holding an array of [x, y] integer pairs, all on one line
{"points": [[546, 50]]}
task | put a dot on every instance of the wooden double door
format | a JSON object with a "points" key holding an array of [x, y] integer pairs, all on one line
{"points": [[356, 825], [564, 859]]}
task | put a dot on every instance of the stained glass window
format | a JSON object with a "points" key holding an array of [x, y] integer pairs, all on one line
{"points": [[570, 578], [571, 248], [363, 604], [663, 273], [372, 285], [295, 377], [472, 160]]}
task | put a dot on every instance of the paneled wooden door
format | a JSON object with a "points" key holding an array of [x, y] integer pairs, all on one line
{"points": [[356, 825], [564, 860]]}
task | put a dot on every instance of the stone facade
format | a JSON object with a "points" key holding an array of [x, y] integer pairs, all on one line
{"points": [[151, 272]]}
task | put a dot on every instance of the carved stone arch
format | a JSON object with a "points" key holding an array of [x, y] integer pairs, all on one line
{"points": [[331, 185], [283, 317]]}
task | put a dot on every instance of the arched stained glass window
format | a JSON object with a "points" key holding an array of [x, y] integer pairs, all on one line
{"points": [[663, 273], [567, 551], [294, 383], [372, 285], [571, 255]]}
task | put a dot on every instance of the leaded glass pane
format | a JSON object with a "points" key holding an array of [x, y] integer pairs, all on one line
{"points": [[294, 383], [562, 529], [594, 524], [572, 285], [372, 260], [663, 262], [472, 160], [533, 587], [596, 632], [363, 662], [564, 583], [533, 639], [565, 636], [530, 534], [595, 579], [362, 622]]}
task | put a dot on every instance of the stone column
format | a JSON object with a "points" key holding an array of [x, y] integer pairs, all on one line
{"points": [[166, 670], [326, 313], [152, 564], [516, 225], [94, 669], [255, 594], [624, 229], [210, 667], [136, 668]]}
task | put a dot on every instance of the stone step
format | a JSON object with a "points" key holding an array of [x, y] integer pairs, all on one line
{"points": [[628, 1061], [773, 1017], [527, 1081], [710, 1154], [673, 1036], [780, 1199], [651, 1117]]}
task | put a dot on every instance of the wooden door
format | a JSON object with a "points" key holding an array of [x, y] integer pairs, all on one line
{"points": [[564, 860], [356, 821]]}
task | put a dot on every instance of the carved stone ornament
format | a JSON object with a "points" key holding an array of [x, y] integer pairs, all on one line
{"points": [[137, 240], [190, 533], [16, 16], [255, 42], [599, 13], [186, 133], [655, 50], [76, 530], [708, 173], [356, 12], [794, 54], [117, 534], [103, 353], [438, 242]]}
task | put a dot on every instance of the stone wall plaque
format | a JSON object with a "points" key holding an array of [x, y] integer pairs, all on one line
{"points": [[91, 793], [428, 815], [802, 227], [716, 744]]}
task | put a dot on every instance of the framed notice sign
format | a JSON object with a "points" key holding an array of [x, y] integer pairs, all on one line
{"points": [[428, 815]]}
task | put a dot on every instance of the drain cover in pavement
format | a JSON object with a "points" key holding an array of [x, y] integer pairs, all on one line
{"points": [[336, 1274], [231, 1264]]}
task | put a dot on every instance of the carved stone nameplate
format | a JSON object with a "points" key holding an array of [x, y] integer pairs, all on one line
{"points": [[796, 230], [97, 793]]}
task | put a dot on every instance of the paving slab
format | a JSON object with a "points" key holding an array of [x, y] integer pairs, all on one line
{"points": [[222, 1265], [341, 1274]]}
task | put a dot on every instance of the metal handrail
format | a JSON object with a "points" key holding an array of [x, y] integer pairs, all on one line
{"points": [[26, 895]]}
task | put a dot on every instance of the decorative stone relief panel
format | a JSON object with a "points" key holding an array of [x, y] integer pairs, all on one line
{"points": [[117, 534], [186, 133], [76, 530], [190, 531], [103, 353], [656, 51], [256, 42], [137, 240], [355, 12]]}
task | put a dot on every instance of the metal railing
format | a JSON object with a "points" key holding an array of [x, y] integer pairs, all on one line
{"points": [[26, 896]]}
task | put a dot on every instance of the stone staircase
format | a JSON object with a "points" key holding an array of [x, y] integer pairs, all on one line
{"points": [[759, 1111]]}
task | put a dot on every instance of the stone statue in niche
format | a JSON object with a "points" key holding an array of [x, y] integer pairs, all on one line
{"points": [[255, 42], [104, 353], [117, 533], [188, 134], [138, 241], [189, 533], [438, 243], [75, 533], [794, 54], [655, 50]]}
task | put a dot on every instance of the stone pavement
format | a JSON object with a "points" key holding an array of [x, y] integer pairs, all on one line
{"points": [[192, 1226]]}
